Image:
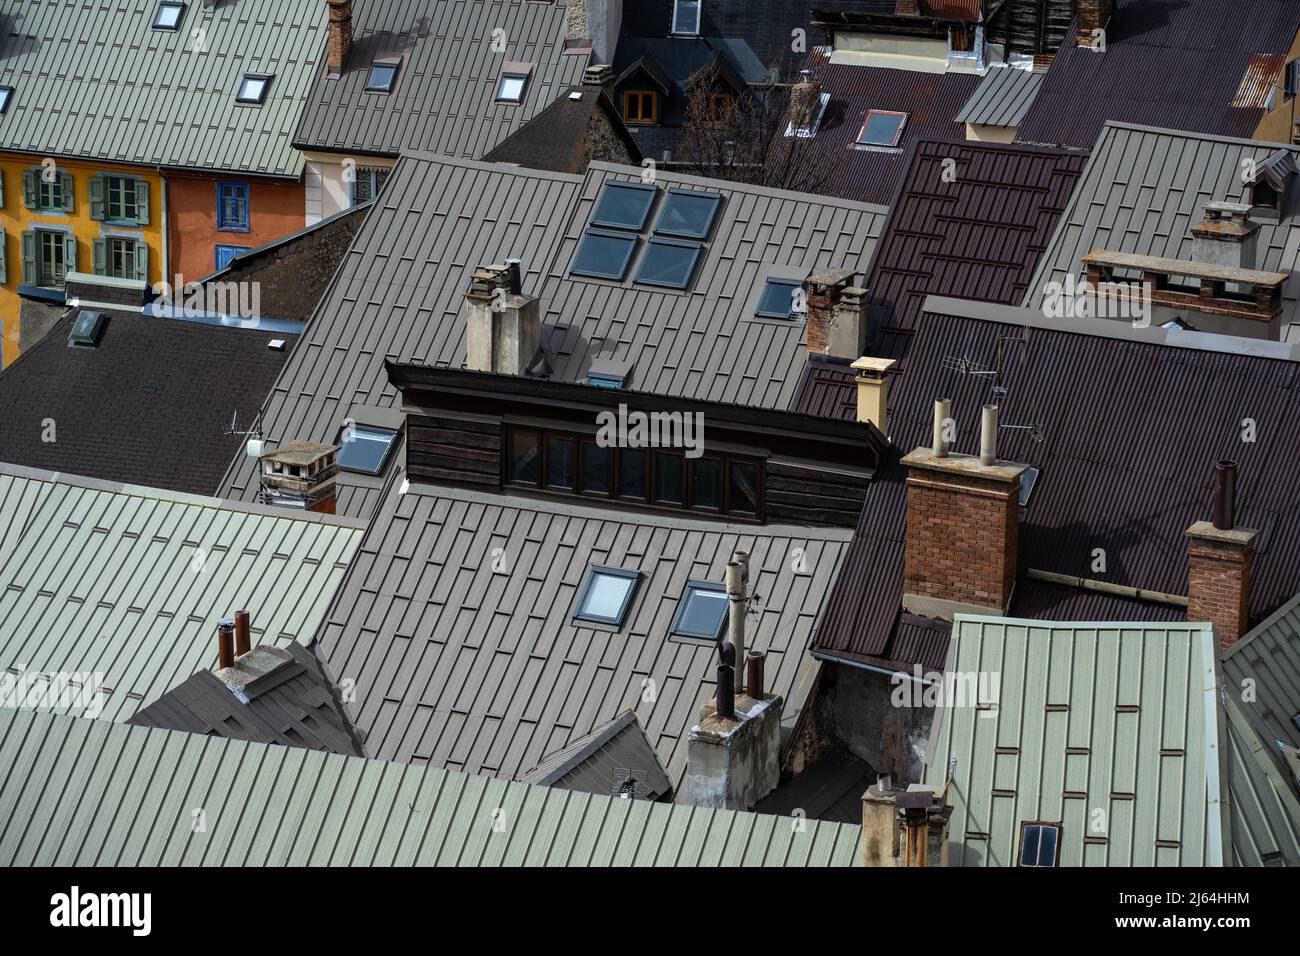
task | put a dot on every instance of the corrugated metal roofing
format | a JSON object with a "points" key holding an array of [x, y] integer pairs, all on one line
{"points": [[1175, 65], [1115, 733], [459, 665], [1144, 189], [445, 98], [400, 293], [90, 793], [92, 79], [1002, 98], [129, 582], [612, 755]]}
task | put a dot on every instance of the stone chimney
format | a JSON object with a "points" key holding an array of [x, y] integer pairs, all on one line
{"points": [[904, 828], [733, 762], [1219, 557], [594, 22], [963, 525], [837, 313], [873, 391], [1226, 237], [503, 327], [339, 42], [598, 74], [300, 475], [1092, 15]]}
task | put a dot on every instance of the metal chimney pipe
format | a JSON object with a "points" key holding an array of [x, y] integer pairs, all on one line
{"points": [[726, 697], [754, 673], [989, 435], [942, 412], [736, 616], [225, 642], [243, 633], [516, 280], [1223, 510]]}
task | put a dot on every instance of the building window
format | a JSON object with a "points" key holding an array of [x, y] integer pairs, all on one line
{"points": [[6, 94], [706, 483], [743, 492], [669, 479], [632, 473], [719, 109], [510, 88], [367, 183], [523, 461], [603, 255], [640, 107], [121, 199], [232, 207], [121, 258], [47, 190], [595, 469], [686, 17], [561, 461], [168, 16], [1040, 844], [383, 75], [780, 299], [365, 450], [252, 89], [882, 128], [701, 612], [688, 214], [606, 595], [668, 263], [226, 253], [51, 257], [1292, 82]]}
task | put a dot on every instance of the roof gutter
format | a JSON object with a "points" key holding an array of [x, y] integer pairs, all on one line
{"points": [[1105, 587]]}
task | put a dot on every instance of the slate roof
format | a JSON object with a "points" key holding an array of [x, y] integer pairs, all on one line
{"points": [[1177, 65], [92, 80], [559, 137], [149, 405], [1144, 189], [129, 582], [614, 755], [91, 793], [398, 294], [1002, 98], [301, 711], [1128, 482], [445, 97], [460, 666], [1122, 719]]}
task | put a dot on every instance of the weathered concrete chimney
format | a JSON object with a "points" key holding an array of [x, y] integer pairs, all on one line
{"points": [[256, 672], [963, 529], [837, 313], [339, 41], [1092, 15], [503, 327], [904, 828], [1219, 557], [1226, 236], [732, 763], [595, 21], [873, 391], [300, 475]]}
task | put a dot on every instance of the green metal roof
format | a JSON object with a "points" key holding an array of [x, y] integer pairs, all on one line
{"points": [[88, 792], [129, 582], [92, 79]]}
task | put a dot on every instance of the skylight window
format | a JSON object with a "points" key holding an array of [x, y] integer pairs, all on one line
{"points": [[606, 595], [702, 611], [383, 76], [779, 298], [603, 255], [253, 89], [668, 263], [1039, 844], [510, 88], [604, 380], [688, 214], [1028, 478], [365, 450], [882, 128], [168, 16], [6, 94], [86, 329], [686, 16], [624, 206]]}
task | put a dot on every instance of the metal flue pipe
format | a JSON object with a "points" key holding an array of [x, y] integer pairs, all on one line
{"points": [[942, 412], [1223, 509], [989, 435]]}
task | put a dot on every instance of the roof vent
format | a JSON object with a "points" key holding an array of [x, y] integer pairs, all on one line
{"points": [[86, 330], [576, 95]]}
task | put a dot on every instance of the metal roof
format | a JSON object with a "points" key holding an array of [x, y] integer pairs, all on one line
{"points": [[1265, 808], [129, 582], [399, 294], [91, 793], [1144, 189], [1263, 673], [455, 622], [603, 760], [1002, 98], [93, 80], [445, 97]]}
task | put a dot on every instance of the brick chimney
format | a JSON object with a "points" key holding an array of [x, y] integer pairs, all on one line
{"points": [[1219, 556], [837, 313], [873, 391], [1092, 15], [963, 525], [300, 475], [339, 43], [907, 8], [503, 327]]}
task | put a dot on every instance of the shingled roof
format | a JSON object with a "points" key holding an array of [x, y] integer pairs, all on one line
{"points": [[564, 136], [615, 758], [94, 80]]}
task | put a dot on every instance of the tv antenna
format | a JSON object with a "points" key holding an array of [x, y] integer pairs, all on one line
{"points": [[233, 430], [964, 365]]}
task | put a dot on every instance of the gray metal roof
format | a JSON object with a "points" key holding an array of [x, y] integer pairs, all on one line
{"points": [[91, 79], [399, 293], [1002, 98], [455, 623], [1144, 189], [601, 761], [129, 582], [91, 793], [445, 97], [1264, 803]]}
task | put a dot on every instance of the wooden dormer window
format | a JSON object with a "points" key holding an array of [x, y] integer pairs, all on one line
{"points": [[640, 107], [719, 108]]}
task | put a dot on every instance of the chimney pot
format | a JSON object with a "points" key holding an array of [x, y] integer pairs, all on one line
{"points": [[243, 633], [735, 582], [873, 391], [942, 412], [725, 697], [1224, 506], [754, 661], [225, 642], [989, 435]]}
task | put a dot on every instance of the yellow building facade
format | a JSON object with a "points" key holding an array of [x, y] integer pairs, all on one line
{"points": [[64, 215]]}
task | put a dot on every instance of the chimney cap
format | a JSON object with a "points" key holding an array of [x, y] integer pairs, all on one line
{"points": [[298, 452], [869, 364]]}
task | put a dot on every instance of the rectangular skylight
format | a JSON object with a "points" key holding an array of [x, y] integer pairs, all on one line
{"points": [[624, 206], [686, 16], [383, 76], [6, 94], [604, 380], [86, 329], [252, 89], [668, 263], [882, 128], [168, 16], [701, 612], [688, 214], [778, 298], [1038, 844], [510, 89], [603, 255], [1028, 478], [606, 595], [365, 450]]}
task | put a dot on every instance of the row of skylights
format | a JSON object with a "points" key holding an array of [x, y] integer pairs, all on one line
{"points": [[607, 593]]}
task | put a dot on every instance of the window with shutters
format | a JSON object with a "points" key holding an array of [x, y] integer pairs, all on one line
{"points": [[119, 199], [121, 258], [49, 192], [232, 207], [51, 258]]}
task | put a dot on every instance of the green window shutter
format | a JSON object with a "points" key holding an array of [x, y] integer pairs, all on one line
{"points": [[66, 187], [96, 197], [29, 257], [2, 190], [142, 260], [69, 255], [4, 258], [29, 188], [99, 252], [142, 202]]}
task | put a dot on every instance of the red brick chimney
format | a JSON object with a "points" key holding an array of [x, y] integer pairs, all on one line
{"points": [[339, 44], [1219, 557], [837, 313], [1092, 15], [963, 525]]}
